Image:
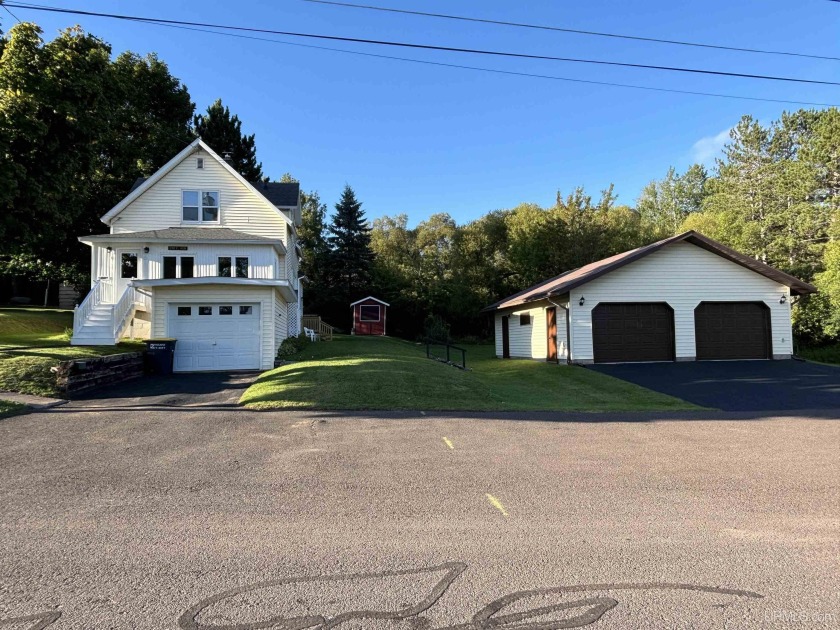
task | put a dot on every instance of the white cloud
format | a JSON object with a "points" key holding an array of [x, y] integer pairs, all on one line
{"points": [[706, 149]]}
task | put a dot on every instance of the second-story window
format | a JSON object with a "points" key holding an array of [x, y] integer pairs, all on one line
{"points": [[233, 267], [200, 206]]}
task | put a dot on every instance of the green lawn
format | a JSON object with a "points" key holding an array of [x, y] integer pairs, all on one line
{"points": [[383, 373], [824, 354], [9, 408], [32, 340]]}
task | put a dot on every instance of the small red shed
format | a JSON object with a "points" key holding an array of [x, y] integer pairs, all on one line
{"points": [[369, 316]]}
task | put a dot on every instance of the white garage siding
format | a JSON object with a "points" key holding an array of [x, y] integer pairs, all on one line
{"points": [[162, 297], [683, 275], [531, 341], [281, 326]]}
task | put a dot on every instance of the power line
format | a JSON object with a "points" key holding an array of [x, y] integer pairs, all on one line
{"points": [[2, 4], [492, 70], [543, 27], [429, 46]]}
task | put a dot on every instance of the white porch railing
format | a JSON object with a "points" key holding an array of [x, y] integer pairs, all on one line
{"points": [[123, 310], [93, 299]]}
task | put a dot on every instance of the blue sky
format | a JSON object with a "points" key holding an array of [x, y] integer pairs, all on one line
{"points": [[421, 139]]}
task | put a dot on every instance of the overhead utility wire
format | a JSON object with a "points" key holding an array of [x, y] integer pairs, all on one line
{"points": [[491, 70], [544, 27], [426, 46]]}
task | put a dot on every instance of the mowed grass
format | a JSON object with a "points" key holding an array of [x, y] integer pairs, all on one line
{"points": [[383, 373], [33, 340]]}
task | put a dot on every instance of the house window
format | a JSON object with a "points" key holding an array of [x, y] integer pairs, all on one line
{"points": [[200, 206], [233, 267], [205, 310], [178, 267], [525, 319], [184, 310], [369, 313], [199, 163], [241, 267], [225, 310], [245, 310], [128, 265]]}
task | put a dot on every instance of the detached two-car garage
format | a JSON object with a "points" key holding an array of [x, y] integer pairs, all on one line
{"points": [[644, 331], [684, 298]]}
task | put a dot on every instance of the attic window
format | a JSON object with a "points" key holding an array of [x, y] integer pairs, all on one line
{"points": [[199, 163], [525, 319]]}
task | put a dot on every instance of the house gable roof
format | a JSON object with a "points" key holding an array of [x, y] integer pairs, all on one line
{"points": [[370, 297], [569, 280], [141, 185]]}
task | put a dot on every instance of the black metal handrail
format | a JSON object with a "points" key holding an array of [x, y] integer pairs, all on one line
{"points": [[432, 343]]}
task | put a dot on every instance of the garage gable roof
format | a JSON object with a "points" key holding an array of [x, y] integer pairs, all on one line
{"points": [[569, 280]]}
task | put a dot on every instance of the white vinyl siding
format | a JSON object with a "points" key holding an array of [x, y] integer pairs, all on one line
{"points": [[683, 275], [162, 297], [530, 341], [261, 259], [240, 209]]}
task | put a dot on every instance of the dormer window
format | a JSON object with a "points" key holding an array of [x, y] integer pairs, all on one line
{"points": [[200, 206], [199, 163]]}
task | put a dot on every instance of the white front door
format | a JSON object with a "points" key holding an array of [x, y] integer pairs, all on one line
{"points": [[127, 269], [215, 336]]}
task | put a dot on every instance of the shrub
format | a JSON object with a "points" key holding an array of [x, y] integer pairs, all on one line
{"points": [[293, 345]]}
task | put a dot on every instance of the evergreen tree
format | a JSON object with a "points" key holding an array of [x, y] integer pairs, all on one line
{"points": [[350, 254], [223, 132]]}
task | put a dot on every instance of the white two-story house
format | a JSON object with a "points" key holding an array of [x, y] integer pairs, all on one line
{"points": [[198, 254]]}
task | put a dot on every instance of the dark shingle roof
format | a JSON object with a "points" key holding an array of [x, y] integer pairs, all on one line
{"points": [[279, 194], [185, 234], [569, 280]]}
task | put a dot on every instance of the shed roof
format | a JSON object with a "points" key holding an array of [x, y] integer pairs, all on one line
{"points": [[576, 277], [370, 297]]}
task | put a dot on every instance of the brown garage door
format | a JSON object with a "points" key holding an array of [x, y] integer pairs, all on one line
{"points": [[732, 330], [640, 331]]}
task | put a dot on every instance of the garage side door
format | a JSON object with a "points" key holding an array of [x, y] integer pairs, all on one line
{"points": [[732, 330], [629, 332], [215, 336]]}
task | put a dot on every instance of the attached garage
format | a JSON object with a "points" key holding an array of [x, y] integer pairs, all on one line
{"points": [[683, 298], [215, 336], [628, 332], [733, 330]]}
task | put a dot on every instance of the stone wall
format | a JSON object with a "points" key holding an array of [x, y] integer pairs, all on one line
{"points": [[80, 375]]}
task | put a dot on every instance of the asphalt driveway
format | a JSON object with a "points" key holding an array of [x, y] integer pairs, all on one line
{"points": [[196, 389], [738, 385]]}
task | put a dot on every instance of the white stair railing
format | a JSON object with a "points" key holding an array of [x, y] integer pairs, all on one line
{"points": [[83, 310], [123, 310]]}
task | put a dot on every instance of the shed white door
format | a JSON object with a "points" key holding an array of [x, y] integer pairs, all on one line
{"points": [[215, 336]]}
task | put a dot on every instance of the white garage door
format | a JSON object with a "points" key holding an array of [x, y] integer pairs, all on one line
{"points": [[215, 336]]}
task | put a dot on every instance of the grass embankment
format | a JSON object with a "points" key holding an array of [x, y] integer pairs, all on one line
{"points": [[9, 408], [824, 354], [383, 373], [32, 340]]}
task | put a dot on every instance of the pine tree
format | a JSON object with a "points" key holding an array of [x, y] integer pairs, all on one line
{"points": [[350, 254], [223, 133]]}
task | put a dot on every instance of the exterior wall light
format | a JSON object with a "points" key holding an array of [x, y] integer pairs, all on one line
{"points": [[581, 300], [783, 299], [108, 249], [145, 250]]}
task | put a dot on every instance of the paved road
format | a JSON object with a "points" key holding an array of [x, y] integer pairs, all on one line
{"points": [[194, 518], [739, 385]]}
